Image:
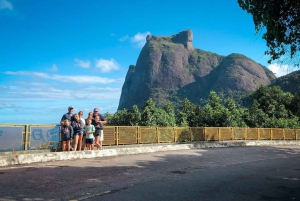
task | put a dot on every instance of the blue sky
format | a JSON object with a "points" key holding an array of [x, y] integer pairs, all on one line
{"points": [[57, 53]]}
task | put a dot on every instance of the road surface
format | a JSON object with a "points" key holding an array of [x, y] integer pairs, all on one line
{"points": [[237, 173]]}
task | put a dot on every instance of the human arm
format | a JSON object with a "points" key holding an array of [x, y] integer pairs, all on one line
{"points": [[62, 120], [71, 131], [102, 119], [89, 130]]}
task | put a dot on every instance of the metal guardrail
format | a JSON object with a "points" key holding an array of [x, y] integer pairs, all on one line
{"points": [[18, 137]]}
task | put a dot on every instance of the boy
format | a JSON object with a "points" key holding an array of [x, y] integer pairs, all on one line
{"points": [[89, 131]]}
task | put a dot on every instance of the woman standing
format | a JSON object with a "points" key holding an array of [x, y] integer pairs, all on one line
{"points": [[78, 131], [82, 123]]}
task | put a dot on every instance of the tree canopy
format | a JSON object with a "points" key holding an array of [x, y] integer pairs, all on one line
{"points": [[271, 108], [281, 19]]}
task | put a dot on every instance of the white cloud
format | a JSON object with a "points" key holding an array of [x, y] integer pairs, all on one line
{"points": [[4, 105], [81, 63], [79, 79], [53, 68], [58, 93], [280, 70], [106, 66], [139, 39], [123, 38], [6, 5]]}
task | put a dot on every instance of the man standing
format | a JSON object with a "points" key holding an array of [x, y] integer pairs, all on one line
{"points": [[102, 118], [99, 120], [68, 115]]}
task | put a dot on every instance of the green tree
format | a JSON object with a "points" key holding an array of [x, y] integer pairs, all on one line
{"points": [[255, 116], [295, 105], [148, 117], [170, 114], [198, 118], [234, 115], [120, 118], [271, 108], [134, 116], [186, 113], [281, 20], [181, 119], [214, 111], [273, 101]]}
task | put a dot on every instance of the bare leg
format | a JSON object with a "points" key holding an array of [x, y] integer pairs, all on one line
{"points": [[84, 143], [97, 138], [68, 145], [64, 143], [100, 144], [80, 142], [75, 142]]}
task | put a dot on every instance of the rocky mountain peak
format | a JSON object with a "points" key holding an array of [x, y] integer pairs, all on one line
{"points": [[169, 68], [184, 37]]}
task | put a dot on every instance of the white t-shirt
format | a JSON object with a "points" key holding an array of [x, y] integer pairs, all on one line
{"points": [[82, 121]]}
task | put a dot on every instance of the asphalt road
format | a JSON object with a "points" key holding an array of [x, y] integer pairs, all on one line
{"points": [[240, 173]]}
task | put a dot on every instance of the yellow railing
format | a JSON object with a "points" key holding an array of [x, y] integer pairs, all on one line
{"points": [[14, 137]]}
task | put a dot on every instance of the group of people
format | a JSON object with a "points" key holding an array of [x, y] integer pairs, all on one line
{"points": [[85, 132]]}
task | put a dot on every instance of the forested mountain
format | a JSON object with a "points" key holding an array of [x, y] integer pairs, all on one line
{"points": [[171, 69], [289, 82]]}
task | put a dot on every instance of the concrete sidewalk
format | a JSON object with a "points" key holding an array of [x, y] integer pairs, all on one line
{"points": [[34, 157]]}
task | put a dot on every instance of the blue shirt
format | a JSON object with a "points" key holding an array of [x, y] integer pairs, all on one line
{"points": [[66, 116], [101, 117]]}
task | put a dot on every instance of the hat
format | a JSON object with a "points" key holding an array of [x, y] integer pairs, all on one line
{"points": [[70, 107]]}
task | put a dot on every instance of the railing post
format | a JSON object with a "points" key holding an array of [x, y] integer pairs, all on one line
{"points": [[258, 134], [174, 134], [245, 133], [117, 135], [232, 133], [205, 138], [26, 141], [157, 134], [271, 134], [219, 134], [138, 135], [283, 132]]}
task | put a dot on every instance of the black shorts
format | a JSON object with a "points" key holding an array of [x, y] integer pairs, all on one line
{"points": [[66, 138], [89, 141], [78, 133]]}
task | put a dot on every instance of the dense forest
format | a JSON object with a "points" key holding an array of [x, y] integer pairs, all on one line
{"points": [[270, 107]]}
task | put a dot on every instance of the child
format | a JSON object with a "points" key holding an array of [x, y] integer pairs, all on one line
{"points": [[89, 130], [77, 125], [67, 132], [98, 133]]}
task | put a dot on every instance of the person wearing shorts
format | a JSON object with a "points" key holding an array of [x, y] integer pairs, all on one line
{"points": [[77, 125], [98, 132], [89, 131], [103, 122], [67, 134], [90, 116]]}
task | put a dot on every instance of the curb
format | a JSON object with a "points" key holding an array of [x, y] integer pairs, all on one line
{"points": [[10, 160]]}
